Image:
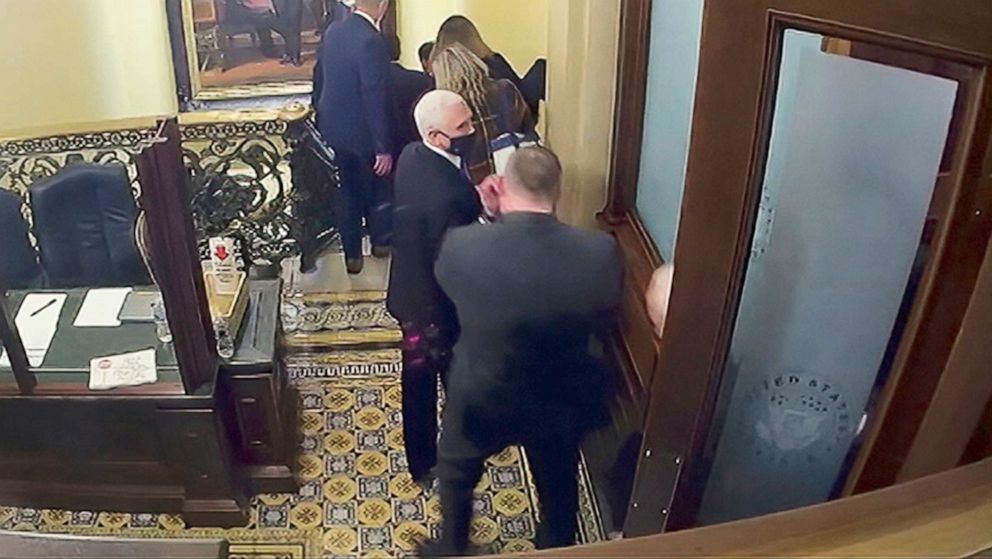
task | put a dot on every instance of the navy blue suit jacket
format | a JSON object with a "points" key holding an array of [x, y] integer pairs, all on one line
{"points": [[351, 94]]}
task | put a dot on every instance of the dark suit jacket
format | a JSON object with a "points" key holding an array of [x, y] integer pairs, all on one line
{"points": [[406, 87], [351, 93], [534, 297], [431, 196], [500, 69]]}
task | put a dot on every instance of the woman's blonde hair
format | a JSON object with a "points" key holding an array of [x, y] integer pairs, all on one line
{"points": [[457, 69], [460, 29]]}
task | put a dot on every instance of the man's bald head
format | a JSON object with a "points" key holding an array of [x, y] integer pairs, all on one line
{"points": [[534, 172]]}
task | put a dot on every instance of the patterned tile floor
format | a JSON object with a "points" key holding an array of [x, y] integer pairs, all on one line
{"points": [[355, 499]]}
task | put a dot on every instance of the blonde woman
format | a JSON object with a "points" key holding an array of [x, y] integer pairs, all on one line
{"points": [[459, 29], [497, 106]]}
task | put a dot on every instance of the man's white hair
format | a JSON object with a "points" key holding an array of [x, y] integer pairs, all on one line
{"points": [[429, 112]]}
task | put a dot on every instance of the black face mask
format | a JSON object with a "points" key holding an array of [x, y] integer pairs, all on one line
{"points": [[462, 145]]}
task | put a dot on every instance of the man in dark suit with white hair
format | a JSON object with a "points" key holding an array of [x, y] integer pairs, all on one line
{"points": [[432, 195]]}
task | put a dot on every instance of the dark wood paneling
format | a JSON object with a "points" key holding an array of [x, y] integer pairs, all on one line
{"points": [[612, 452], [175, 258], [959, 401], [980, 445], [628, 120], [196, 446], [100, 453], [639, 340], [265, 428], [119, 497]]}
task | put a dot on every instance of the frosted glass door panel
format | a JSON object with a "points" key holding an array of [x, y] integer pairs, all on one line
{"points": [[852, 164], [672, 67]]}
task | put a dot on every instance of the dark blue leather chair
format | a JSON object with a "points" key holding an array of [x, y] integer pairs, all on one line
{"points": [[18, 259], [84, 222]]}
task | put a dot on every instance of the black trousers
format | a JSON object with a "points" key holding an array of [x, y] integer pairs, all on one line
{"points": [[426, 357], [554, 462], [289, 24], [364, 198], [286, 21]]}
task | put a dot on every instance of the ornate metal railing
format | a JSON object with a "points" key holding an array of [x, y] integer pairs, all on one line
{"points": [[317, 185], [264, 178]]}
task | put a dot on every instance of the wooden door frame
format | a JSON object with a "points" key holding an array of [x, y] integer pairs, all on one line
{"points": [[718, 211], [638, 346]]}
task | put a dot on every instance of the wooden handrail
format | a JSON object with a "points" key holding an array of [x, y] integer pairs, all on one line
{"points": [[30, 545], [944, 515]]}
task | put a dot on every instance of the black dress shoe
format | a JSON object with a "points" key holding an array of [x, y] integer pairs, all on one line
{"points": [[307, 265], [380, 251], [354, 265], [426, 482]]}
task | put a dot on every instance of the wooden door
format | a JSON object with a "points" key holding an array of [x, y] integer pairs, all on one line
{"points": [[907, 81]]}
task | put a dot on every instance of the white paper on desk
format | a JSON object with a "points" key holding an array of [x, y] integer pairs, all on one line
{"points": [[125, 369], [37, 331], [101, 307]]}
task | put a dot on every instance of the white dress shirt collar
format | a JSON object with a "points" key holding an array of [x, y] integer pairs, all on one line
{"points": [[454, 159], [369, 19]]}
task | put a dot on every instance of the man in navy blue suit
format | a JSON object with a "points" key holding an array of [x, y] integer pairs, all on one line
{"points": [[353, 115]]}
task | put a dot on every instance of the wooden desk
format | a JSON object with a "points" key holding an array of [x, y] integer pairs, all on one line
{"points": [[145, 449], [66, 367]]}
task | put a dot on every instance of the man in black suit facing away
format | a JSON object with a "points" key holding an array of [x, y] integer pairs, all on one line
{"points": [[406, 87], [352, 99], [432, 195], [535, 299], [424, 54]]}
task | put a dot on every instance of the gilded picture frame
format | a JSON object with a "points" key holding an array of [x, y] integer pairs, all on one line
{"points": [[218, 58]]}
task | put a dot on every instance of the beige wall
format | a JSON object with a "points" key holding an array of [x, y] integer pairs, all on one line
{"points": [[78, 61], [417, 22], [582, 59], [516, 28], [74, 61]]}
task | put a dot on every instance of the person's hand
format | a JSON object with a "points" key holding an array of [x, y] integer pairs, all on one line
{"points": [[489, 194], [383, 164]]}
